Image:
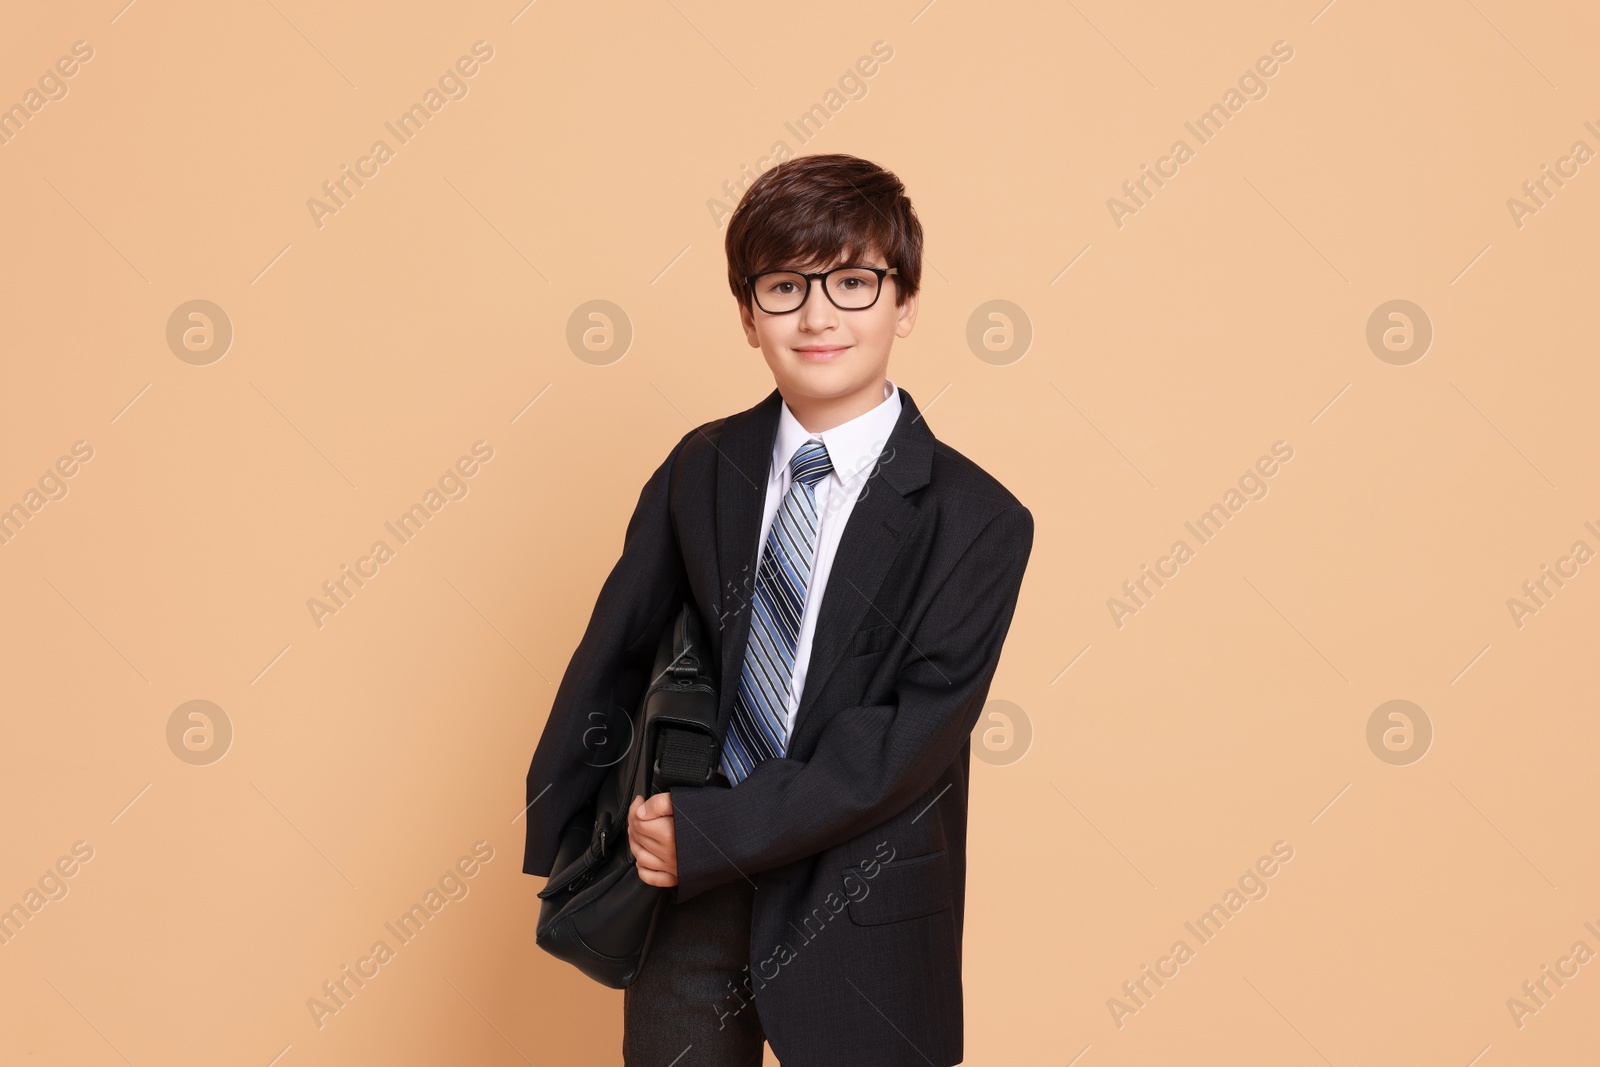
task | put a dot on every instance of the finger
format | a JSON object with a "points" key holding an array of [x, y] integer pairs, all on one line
{"points": [[645, 858], [658, 859], [656, 876], [639, 813]]}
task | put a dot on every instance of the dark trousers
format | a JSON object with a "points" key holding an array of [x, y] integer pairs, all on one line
{"points": [[689, 1006]]}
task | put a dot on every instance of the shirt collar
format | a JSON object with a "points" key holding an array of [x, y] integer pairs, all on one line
{"points": [[852, 446]]}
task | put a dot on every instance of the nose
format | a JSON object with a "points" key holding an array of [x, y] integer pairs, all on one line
{"points": [[818, 312]]}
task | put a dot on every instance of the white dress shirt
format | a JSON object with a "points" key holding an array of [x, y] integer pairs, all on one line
{"points": [[853, 447]]}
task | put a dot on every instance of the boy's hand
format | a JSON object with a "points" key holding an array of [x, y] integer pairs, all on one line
{"points": [[651, 838]]}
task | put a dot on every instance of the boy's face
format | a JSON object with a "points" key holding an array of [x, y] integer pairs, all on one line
{"points": [[822, 353]]}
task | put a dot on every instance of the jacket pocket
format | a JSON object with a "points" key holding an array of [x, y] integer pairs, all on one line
{"points": [[871, 640], [903, 889]]}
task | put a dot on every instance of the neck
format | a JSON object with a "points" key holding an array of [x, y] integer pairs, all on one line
{"points": [[817, 414]]}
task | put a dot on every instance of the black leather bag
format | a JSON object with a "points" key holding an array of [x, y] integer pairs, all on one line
{"points": [[595, 912]]}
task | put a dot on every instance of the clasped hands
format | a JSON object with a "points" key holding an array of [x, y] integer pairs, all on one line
{"points": [[652, 840]]}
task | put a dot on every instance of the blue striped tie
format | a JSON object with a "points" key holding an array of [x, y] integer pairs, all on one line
{"points": [[760, 726]]}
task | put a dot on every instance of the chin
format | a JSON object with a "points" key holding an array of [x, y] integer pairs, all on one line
{"points": [[830, 388]]}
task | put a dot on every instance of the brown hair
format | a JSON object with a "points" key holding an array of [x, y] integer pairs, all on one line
{"points": [[812, 208]]}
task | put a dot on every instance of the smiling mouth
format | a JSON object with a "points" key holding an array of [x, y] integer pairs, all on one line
{"points": [[822, 354]]}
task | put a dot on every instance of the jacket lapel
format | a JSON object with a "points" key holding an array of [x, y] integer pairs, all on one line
{"points": [[743, 459], [871, 540]]}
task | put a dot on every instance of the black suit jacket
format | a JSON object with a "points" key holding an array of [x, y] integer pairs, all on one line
{"points": [[855, 839]]}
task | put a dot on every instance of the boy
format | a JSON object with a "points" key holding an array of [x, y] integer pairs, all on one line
{"points": [[857, 577]]}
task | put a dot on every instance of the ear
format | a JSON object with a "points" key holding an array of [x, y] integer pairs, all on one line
{"points": [[906, 317], [747, 318]]}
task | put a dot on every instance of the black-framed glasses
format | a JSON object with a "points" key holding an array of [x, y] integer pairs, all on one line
{"points": [[779, 292]]}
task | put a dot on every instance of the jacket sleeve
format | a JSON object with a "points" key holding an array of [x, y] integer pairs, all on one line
{"points": [[872, 761], [607, 673]]}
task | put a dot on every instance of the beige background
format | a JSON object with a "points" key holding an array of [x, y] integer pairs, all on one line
{"points": [[431, 312]]}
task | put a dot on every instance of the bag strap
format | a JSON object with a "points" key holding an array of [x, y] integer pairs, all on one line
{"points": [[683, 757], [686, 754]]}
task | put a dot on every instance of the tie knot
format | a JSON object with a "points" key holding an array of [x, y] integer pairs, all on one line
{"points": [[810, 463]]}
